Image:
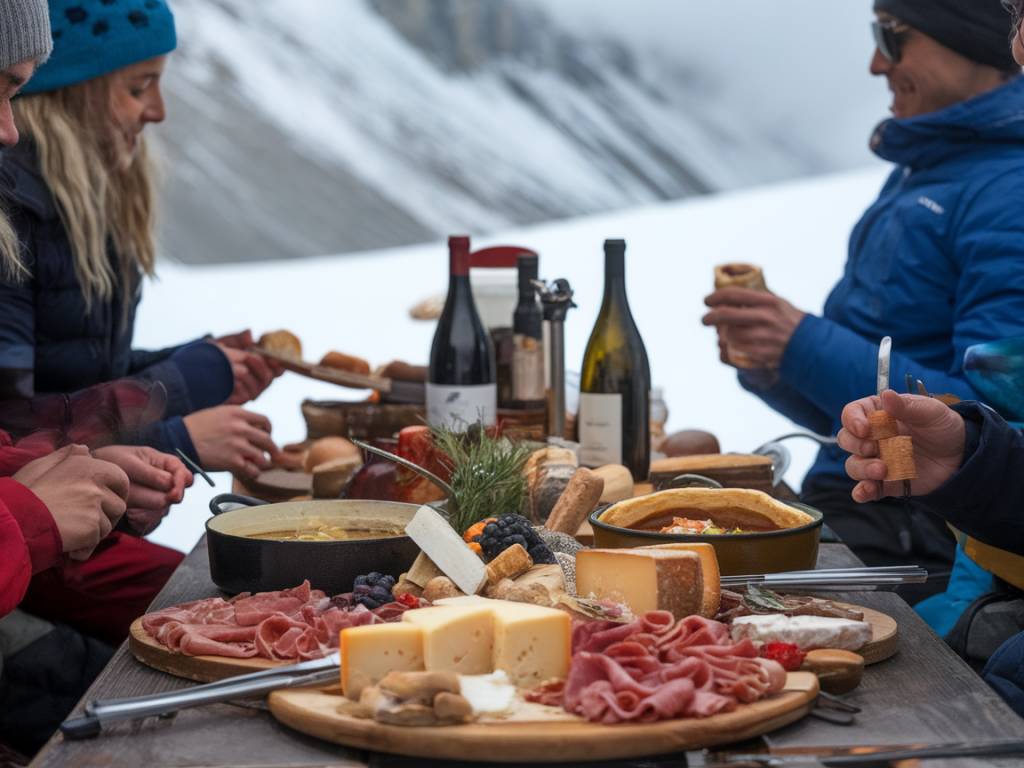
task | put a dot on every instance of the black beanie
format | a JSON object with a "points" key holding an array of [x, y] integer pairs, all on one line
{"points": [[976, 29]]}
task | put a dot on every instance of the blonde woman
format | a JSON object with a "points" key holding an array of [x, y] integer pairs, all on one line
{"points": [[78, 193]]}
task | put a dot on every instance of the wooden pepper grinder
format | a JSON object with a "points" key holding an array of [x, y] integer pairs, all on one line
{"points": [[896, 450]]}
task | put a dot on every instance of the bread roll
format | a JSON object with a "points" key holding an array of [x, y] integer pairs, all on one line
{"points": [[747, 276], [331, 477], [343, 362], [688, 442], [398, 369], [330, 449], [283, 343]]}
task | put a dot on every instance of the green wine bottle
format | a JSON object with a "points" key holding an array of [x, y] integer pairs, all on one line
{"points": [[614, 417]]}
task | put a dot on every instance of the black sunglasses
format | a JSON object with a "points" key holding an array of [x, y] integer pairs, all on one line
{"points": [[889, 36]]}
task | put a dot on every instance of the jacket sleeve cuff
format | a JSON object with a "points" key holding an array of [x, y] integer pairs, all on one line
{"points": [[196, 376], [39, 529]]}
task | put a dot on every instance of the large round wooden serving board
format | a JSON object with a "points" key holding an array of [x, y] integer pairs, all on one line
{"points": [[203, 669], [315, 712]]}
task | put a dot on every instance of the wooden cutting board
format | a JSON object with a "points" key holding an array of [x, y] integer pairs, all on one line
{"points": [[884, 634], [315, 712]]}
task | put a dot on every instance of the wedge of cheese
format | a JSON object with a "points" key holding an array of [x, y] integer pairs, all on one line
{"points": [[643, 579], [532, 643], [369, 653], [455, 638], [712, 599]]}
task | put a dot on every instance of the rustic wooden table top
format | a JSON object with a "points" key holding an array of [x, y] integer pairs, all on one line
{"points": [[925, 694]]}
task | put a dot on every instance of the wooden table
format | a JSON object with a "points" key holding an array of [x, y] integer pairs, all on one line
{"points": [[924, 694]]}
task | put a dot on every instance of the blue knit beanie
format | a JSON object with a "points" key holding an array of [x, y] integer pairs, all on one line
{"points": [[95, 37]]}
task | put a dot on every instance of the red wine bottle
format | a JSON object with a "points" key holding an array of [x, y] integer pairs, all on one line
{"points": [[462, 383], [614, 418]]}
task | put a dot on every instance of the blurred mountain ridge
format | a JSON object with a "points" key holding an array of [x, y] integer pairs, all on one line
{"points": [[302, 127]]}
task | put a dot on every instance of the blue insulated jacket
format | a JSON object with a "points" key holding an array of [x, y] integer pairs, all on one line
{"points": [[937, 262], [51, 342]]}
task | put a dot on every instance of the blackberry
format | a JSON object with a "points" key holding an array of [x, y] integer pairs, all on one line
{"points": [[373, 590], [513, 529]]}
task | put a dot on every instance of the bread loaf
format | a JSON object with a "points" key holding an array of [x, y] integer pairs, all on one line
{"points": [[747, 276], [330, 449], [579, 499], [343, 362], [283, 343], [618, 483], [331, 477], [548, 472]]}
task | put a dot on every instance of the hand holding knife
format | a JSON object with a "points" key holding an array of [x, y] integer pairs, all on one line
{"points": [[897, 451]]}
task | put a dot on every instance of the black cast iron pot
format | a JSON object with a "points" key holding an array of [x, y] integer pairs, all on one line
{"points": [[239, 563]]}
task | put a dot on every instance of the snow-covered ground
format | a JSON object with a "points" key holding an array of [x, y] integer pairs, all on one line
{"points": [[358, 303]]}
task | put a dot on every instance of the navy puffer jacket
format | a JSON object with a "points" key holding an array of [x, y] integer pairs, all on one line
{"points": [[51, 342], [937, 262]]}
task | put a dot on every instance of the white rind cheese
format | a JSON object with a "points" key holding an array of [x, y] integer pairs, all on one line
{"points": [[807, 632]]}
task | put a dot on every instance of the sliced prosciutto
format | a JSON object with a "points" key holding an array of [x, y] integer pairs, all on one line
{"points": [[656, 668], [291, 624]]}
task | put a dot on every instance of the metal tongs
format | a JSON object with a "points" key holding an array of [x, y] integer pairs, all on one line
{"points": [[100, 712], [835, 579]]}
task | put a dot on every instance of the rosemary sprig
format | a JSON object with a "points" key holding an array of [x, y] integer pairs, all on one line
{"points": [[486, 475]]}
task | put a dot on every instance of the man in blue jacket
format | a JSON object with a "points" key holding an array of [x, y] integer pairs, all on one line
{"points": [[937, 262]]}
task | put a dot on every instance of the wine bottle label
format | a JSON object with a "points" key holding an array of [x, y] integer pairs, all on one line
{"points": [[458, 407], [527, 368], [600, 429]]}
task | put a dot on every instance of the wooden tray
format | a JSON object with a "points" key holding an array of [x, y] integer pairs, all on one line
{"points": [[205, 669], [315, 712]]}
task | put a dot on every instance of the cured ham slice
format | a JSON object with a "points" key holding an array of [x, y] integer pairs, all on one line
{"points": [[656, 668], [292, 624]]}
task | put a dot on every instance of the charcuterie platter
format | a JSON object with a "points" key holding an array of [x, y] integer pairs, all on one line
{"points": [[207, 668], [542, 735]]}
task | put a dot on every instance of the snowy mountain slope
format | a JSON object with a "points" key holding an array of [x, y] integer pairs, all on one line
{"points": [[358, 303], [304, 126]]}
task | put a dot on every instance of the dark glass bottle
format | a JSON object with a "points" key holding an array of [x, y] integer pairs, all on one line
{"points": [[528, 339], [461, 386], [615, 383]]}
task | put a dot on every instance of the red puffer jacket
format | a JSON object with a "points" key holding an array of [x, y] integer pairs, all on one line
{"points": [[29, 539]]}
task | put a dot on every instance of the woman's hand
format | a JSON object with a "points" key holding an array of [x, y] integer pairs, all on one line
{"points": [[86, 496], [158, 481], [757, 324], [253, 373], [230, 438], [937, 430]]}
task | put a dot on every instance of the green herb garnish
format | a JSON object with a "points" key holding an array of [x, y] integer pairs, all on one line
{"points": [[486, 474], [765, 599]]}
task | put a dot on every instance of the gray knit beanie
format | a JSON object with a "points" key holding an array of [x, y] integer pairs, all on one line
{"points": [[24, 32]]}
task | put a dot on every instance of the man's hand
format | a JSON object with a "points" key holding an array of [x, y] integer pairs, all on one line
{"points": [[231, 438], [85, 495], [755, 323], [938, 433], [253, 373], [158, 481]]}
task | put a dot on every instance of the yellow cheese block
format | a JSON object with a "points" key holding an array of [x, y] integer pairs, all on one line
{"points": [[709, 570], [369, 653], [531, 643], [455, 638], [643, 579]]}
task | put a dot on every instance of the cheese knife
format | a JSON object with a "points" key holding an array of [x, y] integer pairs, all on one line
{"points": [[882, 380], [859, 756]]}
